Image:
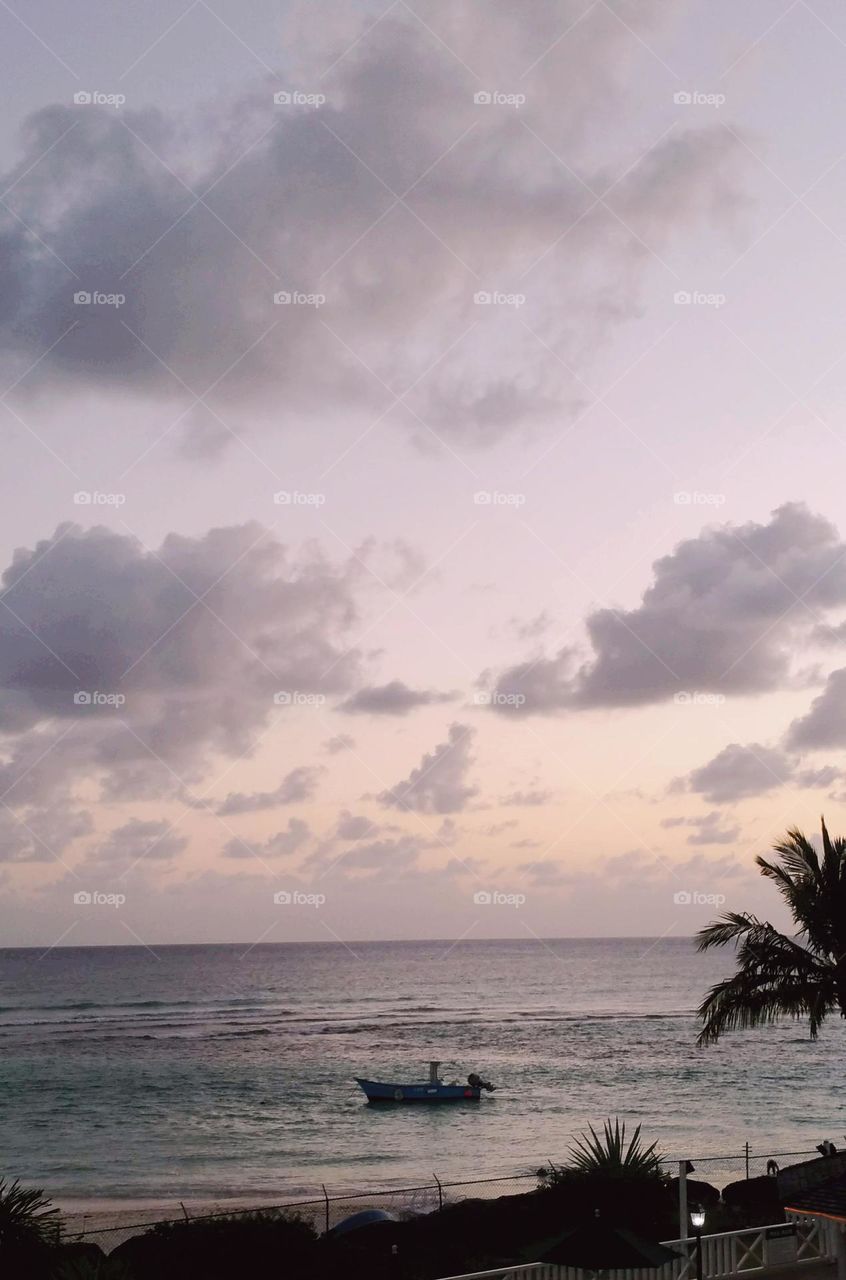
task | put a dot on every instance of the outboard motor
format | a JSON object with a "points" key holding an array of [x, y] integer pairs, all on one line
{"points": [[476, 1082]]}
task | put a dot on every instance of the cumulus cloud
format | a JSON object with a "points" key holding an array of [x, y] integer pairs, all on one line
{"points": [[723, 614], [139, 666], [825, 776], [824, 725], [298, 785], [137, 841], [41, 834], [395, 201], [707, 828], [392, 855], [352, 826], [285, 842], [439, 783], [392, 699], [738, 771]]}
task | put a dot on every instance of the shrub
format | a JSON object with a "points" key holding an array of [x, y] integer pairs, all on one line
{"points": [[221, 1248]]}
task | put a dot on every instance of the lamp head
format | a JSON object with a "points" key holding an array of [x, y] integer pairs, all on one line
{"points": [[697, 1217]]}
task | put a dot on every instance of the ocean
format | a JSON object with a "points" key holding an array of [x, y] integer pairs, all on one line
{"points": [[207, 1072]]}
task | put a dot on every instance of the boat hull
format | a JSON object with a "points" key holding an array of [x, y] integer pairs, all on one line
{"points": [[378, 1091]]}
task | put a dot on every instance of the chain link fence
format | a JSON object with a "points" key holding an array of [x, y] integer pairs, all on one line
{"points": [[326, 1211], [720, 1170]]}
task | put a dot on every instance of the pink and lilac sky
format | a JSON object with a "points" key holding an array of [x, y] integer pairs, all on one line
{"points": [[423, 454]]}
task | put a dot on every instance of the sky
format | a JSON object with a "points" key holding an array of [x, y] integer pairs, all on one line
{"points": [[423, 439]]}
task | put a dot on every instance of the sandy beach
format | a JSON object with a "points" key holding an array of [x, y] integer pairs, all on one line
{"points": [[112, 1221]]}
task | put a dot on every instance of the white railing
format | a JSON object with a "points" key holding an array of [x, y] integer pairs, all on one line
{"points": [[729, 1254]]}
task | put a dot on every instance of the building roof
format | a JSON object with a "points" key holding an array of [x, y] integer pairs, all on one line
{"points": [[816, 1189]]}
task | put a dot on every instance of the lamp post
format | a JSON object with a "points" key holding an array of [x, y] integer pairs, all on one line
{"points": [[697, 1221]]}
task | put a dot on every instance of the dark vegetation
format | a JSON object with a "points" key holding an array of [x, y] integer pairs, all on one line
{"points": [[803, 976], [623, 1180]]}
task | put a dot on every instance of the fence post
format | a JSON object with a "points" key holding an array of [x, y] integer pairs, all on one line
{"points": [[440, 1191], [747, 1161], [683, 1227], [326, 1198]]}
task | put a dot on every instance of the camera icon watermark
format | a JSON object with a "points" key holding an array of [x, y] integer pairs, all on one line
{"points": [[96, 98], [496, 98], [488, 298], [84, 898], [296, 898], [89, 698], [687, 898], [296, 298], [697, 298], [495, 898], [297, 98], [495, 498], [294, 498], [94, 498], [297, 698], [686, 698], [696, 498], [696, 98], [85, 298], [495, 698]]}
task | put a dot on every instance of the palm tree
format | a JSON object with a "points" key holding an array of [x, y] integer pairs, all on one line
{"points": [[611, 1157], [778, 976], [27, 1219], [606, 1157]]}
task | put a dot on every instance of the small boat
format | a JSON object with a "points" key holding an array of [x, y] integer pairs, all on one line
{"points": [[432, 1090]]}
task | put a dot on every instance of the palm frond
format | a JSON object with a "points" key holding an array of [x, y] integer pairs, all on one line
{"points": [[25, 1215], [731, 926], [611, 1156], [779, 976]]}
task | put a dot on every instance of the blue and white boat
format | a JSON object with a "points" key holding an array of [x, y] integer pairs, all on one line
{"points": [[432, 1090]]}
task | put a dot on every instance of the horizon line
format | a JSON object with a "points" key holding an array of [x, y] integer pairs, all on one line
{"points": [[359, 942]]}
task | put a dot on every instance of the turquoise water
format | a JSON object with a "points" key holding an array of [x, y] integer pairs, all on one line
{"points": [[203, 1071]]}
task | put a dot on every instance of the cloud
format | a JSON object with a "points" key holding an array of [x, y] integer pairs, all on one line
{"points": [[342, 742], [355, 826], [438, 784], [738, 771], [41, 834], [825, 724], [530, 798], [544, 872], [139, 666], [137, 841], [459, 867], [498, 828], [305, 202], [281, 845], [825, 776], [393, 699], [532, 628], [723, 614], [298, 785], [393, 855], [707, 829]]}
